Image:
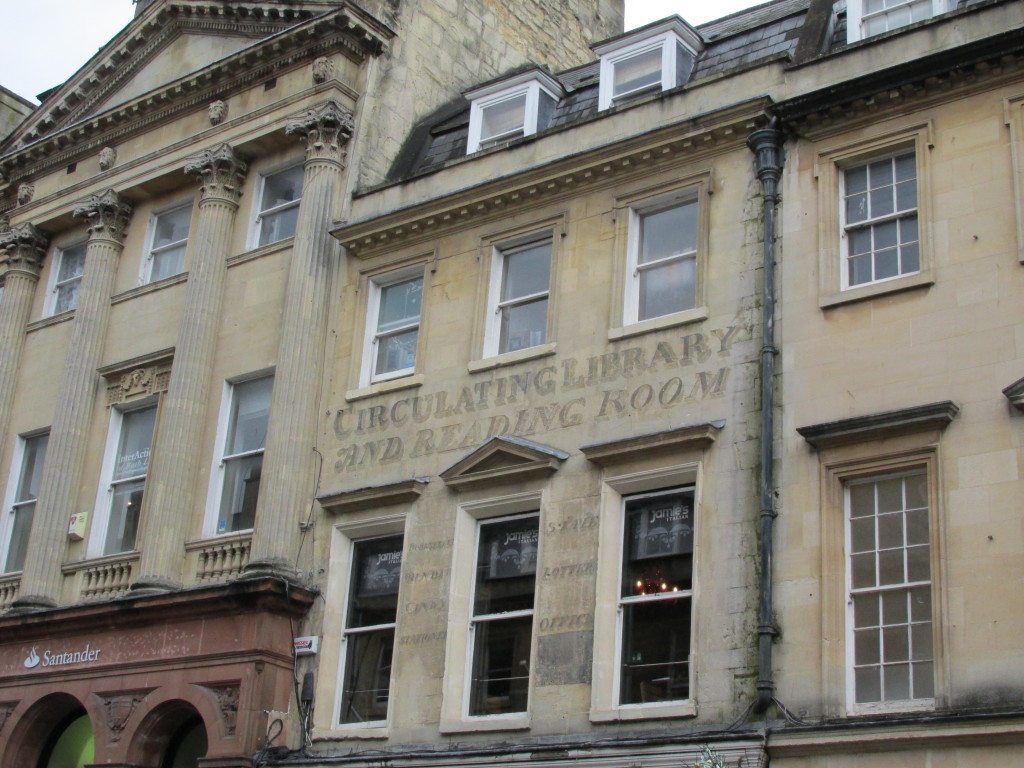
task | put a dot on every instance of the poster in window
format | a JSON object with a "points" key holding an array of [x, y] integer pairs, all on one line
{"points": [[512, 552], [380, 572], [662, 527]]}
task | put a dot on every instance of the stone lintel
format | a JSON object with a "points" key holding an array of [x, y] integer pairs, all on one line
{"points": [[879, 426], [389, 494], [691, 437], [1015, 394], [504, 458]]}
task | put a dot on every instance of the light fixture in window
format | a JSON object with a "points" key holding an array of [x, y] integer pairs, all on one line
{"points": [[511, 108], [657, 57]]}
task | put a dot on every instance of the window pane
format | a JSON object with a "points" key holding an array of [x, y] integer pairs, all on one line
{"points": [[924, 680], [31, 467], [862, 534], [281, 188], [894, 607], [367, 683], [72, 262], [67, 297], [506, 566], [868, 685], [897, 682], [865, 611], [896, 643], [867, 647], [501, 666], [396, 353], [168, 263], [640, 71], [400, 304], [250, 409], [921, 642], [134, 445], [655, 651], [124, 517], [523, 326], [668, 233], [376, 573], [668, 288], [20, 529], [278, 226], [526, 272], [241, 490], [171, 227], [503, 118], [856, 208], [658, 547], [890, 530]]}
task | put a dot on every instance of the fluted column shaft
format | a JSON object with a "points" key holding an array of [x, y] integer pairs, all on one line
{"points": [[41, 579], [287, 485], [21, 256], [168, 502]]}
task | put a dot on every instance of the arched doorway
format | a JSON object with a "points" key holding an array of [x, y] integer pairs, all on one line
{"points": [[173, 735], [72, 743]]}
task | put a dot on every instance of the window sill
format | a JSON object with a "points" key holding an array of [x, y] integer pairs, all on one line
{"points": [[46, 322], [644, 712], [695, 315], [349, 732], [148, 288], [384, 387], [260, 251], [908, 283], [511, 358], [517, 722]]}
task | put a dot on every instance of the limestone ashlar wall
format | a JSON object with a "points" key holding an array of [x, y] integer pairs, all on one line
{"points": [[444, 47], [584, 388], [958, 337]]}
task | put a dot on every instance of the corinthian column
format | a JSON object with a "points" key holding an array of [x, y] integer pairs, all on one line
{"points": [[22, 249], [287, 484], [107, 216], [168, 504]]}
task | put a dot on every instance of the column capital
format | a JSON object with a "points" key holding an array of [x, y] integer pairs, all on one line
{"points": [[326, 128], [22, 249], [107, 215], [221, 173]]}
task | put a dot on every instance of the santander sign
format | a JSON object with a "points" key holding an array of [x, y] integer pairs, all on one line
{"points": [[49, 659]]}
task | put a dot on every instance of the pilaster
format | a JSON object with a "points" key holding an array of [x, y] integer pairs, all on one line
{"points": [[168, 508], [287, 486], [107, 216], [22, 249]]}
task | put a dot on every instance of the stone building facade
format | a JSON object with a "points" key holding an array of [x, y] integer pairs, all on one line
{"points": [[517, 390]]}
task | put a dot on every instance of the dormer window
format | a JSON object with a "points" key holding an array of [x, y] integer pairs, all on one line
{"points": [[866, 18], [654, 58], [511, 109]]}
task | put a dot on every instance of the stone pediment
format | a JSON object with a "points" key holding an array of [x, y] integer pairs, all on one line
{"points": [[504, 458]]}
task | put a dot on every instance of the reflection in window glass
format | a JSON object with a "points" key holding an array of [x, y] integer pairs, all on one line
{"points": [[501, 628], [25, 493], [243, 453], [656, 597], [128, 481], [369, 636], [637, 73], [279, 205], [522, 306]]}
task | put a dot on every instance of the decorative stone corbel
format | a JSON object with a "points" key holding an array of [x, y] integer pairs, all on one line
{"points": [[218, 112], [22, 249], [220, 171], [108, 156], [323, 70], [107, 215], [326, 129], [26, 190]]}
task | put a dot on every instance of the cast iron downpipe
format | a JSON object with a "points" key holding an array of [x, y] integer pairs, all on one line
{"points": [[766, 144]]}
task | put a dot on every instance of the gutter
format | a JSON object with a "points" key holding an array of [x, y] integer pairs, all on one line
{"points": [[766, 144]]}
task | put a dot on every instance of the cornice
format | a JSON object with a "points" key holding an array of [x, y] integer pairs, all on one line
{"points": [[607, 164], [688, 438], [390, 494], [881, 426], [347, 29]]}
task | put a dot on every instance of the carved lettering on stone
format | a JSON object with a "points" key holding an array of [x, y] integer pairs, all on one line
{"points": [[323, 70], [108, 156], [25, 192], [118, 710], [218, 112]]}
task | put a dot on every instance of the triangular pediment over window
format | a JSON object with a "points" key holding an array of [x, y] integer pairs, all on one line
{"points": [[504, 458]]}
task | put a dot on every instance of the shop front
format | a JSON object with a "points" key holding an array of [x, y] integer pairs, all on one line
{"points": [[181, 680]]}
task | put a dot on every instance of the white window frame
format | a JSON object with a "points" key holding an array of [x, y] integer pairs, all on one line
{"points": [[458, 675], [667, 36], [631, 298], [909, 705], [257, 214], [215, 490], [855, 16], [105, 491], [50, 302], [13, 477], [492, 325], [375, 287], [845, 229], [604, 705], [146, 268], [531, 84]]}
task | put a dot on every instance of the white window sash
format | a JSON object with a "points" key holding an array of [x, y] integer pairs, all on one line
{"points": [[531, 112], [373, 336], [631, 297], [258, 213], [55, 284], [856, 18], [492, 328], [10, 505], [669, 44]]}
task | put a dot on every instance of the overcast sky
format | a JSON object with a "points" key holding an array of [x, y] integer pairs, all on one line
{"points": [[46, 41]]}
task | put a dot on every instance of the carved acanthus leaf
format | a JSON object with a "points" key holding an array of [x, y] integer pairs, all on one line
{"points": [[22, 248], [325, 128], [107, 215], [220, 171]]}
